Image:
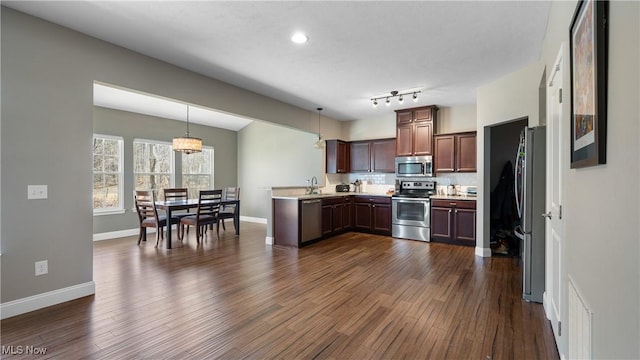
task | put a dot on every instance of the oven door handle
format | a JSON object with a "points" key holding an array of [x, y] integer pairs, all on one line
{"points": [[424, 200]]}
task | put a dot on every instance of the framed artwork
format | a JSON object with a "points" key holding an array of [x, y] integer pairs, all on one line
{"points": [[588, 39]]}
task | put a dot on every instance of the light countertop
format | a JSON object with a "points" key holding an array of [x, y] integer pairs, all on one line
{"points": [[453, 197], [326, 195]]}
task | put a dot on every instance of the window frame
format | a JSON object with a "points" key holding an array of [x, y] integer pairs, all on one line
{"points": [[211, 164], [172, 166], [120, 208]]}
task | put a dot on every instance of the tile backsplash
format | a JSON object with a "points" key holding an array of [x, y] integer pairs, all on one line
{"points": [[380, 183]]}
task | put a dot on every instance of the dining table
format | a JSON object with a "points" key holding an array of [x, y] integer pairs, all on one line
{"points": [[173, 205]]}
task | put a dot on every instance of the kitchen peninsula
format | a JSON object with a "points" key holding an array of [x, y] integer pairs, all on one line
{"points": [[299, 220]]}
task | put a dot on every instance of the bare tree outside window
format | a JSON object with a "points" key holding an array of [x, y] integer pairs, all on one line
{"points": [[197, 171], [107, 173], [152, 166]]}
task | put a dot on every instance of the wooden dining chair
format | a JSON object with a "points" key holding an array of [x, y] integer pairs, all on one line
{"points": [[177, 194], [148, 215], [206, 213], [229, 211]]}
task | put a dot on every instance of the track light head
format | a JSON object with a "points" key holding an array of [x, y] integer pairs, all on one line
{"points": [[387, 102], [400, 99], [415, 97], [375, 102]]}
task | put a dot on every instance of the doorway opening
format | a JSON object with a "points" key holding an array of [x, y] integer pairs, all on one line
{"points": [[505, 139]]}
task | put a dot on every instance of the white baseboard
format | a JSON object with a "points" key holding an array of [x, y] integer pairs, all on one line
{"points": [[269, 240], [118, 234], [253, 219], [35, 302], [134, 232], [483, 252]]}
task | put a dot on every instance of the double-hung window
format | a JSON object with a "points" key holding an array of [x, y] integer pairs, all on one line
{"points": [[108, 174], [197, 171], [153, 166]]}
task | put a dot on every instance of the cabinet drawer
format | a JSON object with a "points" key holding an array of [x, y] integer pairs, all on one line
{"points": [[372, 199], [335, 200], [460, 204]]}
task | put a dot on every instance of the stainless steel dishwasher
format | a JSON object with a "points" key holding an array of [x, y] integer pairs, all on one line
{"points": [[311, 220]]}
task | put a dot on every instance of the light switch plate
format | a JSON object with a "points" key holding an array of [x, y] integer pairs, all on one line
{"points": [[36, 192]]}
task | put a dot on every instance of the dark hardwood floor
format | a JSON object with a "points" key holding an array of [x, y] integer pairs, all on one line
{"points": [[355, 296]]}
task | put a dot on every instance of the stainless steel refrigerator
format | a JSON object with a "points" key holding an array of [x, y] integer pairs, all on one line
{"points": [[530, 193]]}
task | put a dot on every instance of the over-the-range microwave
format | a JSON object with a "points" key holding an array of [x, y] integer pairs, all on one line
{"points": [[414, 166]]}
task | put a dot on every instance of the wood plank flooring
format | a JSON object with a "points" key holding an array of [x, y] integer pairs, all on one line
{"points": [[355, 296]]}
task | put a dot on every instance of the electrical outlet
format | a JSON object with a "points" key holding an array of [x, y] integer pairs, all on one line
{"points": [[35, 192], [42, 267]]}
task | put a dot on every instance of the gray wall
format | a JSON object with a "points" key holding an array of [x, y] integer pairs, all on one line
{"points": [[47, 110], [271, 155], [131, 126]]}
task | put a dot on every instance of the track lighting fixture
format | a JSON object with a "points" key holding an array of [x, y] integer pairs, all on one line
{"points": [[400, 96]]}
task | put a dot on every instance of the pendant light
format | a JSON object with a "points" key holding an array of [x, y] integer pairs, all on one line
{"points": [[187, 144], [319, 144]]}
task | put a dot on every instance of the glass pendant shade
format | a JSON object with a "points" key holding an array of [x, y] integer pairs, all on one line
{"points": [[319, 144]]}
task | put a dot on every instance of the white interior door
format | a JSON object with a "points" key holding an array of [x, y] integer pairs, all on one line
{"points": [[555, 282]]}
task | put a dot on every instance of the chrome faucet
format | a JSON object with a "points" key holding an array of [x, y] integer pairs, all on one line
{"points": [[314, 189]]}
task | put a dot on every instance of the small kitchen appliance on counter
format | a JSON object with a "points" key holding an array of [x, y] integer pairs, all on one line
{"points": [[410, 208], [343, 188]]}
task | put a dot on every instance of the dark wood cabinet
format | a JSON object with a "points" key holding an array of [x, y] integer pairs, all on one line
{"points": [[338, 159], [466, 152], [336, 215], [455, 152], [372, 214], [414, 130], [360, 157], [373, 156], [453, 221]]}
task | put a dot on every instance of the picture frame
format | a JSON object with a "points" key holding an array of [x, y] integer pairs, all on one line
{"points": [[588, 37]]}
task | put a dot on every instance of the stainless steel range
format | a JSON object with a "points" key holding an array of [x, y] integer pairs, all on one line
{"points": [[411, 207]]}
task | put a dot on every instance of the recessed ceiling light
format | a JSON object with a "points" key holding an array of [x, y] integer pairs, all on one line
{"points": [[299, 38]]}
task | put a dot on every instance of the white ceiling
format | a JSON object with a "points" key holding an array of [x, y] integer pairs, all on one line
{"points": [[356, 49]]}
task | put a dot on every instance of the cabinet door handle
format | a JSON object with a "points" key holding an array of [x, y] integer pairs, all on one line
{"points": [[449, 211]]}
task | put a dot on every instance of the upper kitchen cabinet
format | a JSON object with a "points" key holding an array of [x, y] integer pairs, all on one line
{"points": [[455, 152], [414, 131], [373, 156], [338, 158]]}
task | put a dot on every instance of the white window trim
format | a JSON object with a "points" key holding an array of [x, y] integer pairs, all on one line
{"points": [[120, 209], [172, 160], [211, 175]]}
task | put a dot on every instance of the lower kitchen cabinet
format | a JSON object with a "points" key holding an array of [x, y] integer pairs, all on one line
{"points": [[372, 214], [336, 215], [453, 221], [300, 222]]}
